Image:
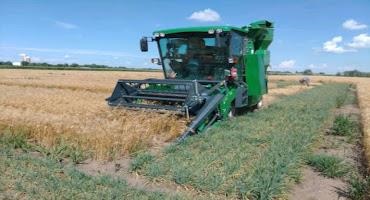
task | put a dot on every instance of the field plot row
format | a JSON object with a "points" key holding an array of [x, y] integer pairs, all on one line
{"points": [[363, 95]]}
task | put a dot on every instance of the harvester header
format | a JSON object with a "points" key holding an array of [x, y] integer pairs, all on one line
{"points": [[211, 73]]}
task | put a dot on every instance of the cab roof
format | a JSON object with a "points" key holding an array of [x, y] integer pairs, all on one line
{"points": [[200, 29]]}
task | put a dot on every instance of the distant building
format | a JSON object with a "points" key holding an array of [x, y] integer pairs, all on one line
{"points": [[25, 58], [16, 63]]}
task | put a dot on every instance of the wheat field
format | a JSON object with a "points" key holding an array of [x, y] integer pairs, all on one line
{"points": [[69, 106], [53, 107]]}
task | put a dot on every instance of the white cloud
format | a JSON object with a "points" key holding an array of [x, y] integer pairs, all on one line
{"points": [[65, 25], [360, 41], [287, 64], [67, 56], [318, 66], [206, 15], [333, 46], [352, 24]]}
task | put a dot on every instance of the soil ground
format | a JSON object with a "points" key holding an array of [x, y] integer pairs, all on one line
{"points": [[313, 185], [316, 187]]}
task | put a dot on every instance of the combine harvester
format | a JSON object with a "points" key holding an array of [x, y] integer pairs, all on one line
{"points": [[211, 73]]}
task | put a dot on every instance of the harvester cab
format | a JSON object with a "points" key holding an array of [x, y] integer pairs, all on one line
{"points": [[210, 73]]}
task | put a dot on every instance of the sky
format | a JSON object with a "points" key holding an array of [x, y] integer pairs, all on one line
{"points": [[321, 35]]}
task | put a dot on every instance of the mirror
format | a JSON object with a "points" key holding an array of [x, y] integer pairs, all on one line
{"points": [[156, 61], [144, 44]]}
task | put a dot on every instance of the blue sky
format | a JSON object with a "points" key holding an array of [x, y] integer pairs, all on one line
{"points": [[325, 36]]}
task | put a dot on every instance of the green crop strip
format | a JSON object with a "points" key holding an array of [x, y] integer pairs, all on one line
{"points": [[24, 176], [253, 156], [329, 166]]}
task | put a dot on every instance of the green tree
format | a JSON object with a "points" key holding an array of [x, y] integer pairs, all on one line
{"points": [[307, 72], [25, 63], [74, 65]]}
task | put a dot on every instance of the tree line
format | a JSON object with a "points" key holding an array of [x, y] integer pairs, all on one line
{"points": [[351, 73], [354, 73], [65, 65]]}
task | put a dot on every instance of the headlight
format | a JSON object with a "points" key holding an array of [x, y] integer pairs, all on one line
{"points": [[211, 31], [231, 60]]}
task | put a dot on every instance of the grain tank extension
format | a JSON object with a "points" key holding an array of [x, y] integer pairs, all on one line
{"points": [[210, 73]]}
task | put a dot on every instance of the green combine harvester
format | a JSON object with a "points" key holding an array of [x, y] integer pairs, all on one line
{"points": [[211, 73]]}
